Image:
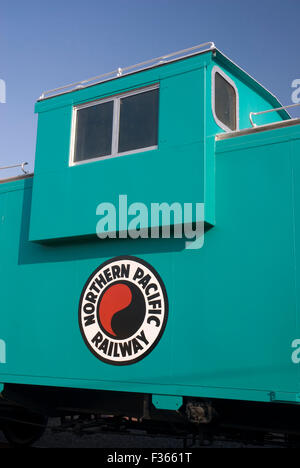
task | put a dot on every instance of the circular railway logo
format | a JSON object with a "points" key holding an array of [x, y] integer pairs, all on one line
{"points": [[123, 310]]}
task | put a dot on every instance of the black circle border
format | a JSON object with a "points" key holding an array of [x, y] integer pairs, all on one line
{"points": [[166, 315]]}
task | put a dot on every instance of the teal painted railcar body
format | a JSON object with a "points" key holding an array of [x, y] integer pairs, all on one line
{"points": [[232, 304]]}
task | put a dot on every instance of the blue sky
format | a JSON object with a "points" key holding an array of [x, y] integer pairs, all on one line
{"points": [[45, 44]]}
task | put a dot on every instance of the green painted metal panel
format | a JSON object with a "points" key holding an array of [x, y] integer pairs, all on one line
{"points": [[232, 303], [167, 402]]}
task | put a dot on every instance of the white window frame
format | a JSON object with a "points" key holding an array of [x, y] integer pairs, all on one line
{"points": [[116, 99], [213, 102]]}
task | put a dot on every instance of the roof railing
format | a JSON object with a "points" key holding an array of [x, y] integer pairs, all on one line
{"points": [[270, 110], [124, 71], [22, 166]]}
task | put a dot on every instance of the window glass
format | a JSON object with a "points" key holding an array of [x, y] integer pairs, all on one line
{"points": [[225, 102], [138, 121], [94, 131], [124, 123]]}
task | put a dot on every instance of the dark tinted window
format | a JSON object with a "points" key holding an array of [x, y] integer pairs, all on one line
{"points": [[138, 121], [94, 131], [225, 102]]}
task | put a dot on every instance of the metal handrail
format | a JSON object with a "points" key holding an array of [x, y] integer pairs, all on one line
{"points": [[120, 71], [22, 165], [270, 110]]}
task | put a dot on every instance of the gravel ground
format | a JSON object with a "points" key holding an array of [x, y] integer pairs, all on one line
{"points": [[54, 439]]}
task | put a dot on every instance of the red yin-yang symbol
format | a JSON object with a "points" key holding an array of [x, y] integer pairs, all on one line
{"points": [[115, 299]]}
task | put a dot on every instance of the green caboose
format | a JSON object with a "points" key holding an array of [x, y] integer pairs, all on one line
{"points": [[149, 266]]}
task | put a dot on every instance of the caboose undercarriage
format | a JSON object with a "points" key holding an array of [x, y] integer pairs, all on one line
{"points": [[25, 411]]}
